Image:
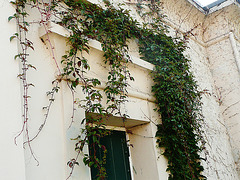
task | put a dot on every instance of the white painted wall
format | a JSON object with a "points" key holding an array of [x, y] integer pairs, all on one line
{"points": [[12, 164]]}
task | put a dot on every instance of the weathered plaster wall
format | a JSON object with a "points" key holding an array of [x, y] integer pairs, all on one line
{"points": [[225, 70], [184, 17], [205, 54], [222, 22], [219, 162]]}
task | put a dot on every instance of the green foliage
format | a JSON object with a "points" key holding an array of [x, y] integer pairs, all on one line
{"points": [[112, 27], [178, 103], [175, 89]]}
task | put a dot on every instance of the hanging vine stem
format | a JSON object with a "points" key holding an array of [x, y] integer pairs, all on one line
{"points": [[74, 70], [73, 105], [46, 14], [24, 44], [47, 108], [72, 164]]}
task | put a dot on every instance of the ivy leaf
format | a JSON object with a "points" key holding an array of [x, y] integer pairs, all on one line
{"points": [[30, 84], [94, 139], [12, 37], [13, 2], [74, 84], [79, 63], [17, 56], [10, 18], [90, 164]]}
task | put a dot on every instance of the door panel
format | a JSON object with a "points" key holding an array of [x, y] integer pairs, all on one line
{"points": [[117, 162]]}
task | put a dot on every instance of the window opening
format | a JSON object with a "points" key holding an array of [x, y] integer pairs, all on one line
{"points": [[117, 162]]}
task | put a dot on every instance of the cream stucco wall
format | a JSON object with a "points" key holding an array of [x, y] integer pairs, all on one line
{"points": [[214, 64], [225, 69], [210, 46]]}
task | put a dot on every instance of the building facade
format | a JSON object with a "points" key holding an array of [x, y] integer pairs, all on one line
{"points": [[214, 50]]}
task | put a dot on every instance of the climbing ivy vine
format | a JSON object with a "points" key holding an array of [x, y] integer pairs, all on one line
{"points": [[176, 92], [178, 103]]}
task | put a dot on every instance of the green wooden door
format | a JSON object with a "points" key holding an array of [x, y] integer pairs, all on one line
{"points": [[117, 162]]}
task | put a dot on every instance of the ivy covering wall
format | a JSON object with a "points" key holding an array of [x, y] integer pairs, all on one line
{"points": [[177, 97]]}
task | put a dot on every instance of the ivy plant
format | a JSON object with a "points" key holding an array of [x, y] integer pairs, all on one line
{"points": [[177, 97]]}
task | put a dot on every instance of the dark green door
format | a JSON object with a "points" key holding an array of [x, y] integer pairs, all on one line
{"points": [[117, 162]]}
